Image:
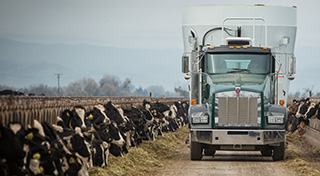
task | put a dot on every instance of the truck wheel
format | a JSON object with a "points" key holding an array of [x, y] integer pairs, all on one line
{"points": [[196, 150], [209, 151], [278, 152], [266, 152]]}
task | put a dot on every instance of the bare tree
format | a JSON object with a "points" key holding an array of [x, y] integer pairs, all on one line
{"points": [[110, 79], [108, 85], [181, 92], [112, 86], [308, 91], [82, 87], [127, 86]]}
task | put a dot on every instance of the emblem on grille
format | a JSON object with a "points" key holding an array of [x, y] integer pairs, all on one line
{"points": [[238, 91]]}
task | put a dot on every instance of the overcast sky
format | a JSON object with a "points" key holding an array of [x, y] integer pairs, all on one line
{"points": [[137, 24]]}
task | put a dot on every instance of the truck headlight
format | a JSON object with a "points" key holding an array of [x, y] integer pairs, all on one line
{"points": [[200, 118], [275, 118]]}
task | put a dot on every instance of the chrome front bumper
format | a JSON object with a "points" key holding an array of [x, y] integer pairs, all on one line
{"points": [[235, 136]]}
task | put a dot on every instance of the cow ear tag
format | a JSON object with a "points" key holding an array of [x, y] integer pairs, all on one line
{"points": [[41, 169], [90, 116], [36, 156], [68, 114], [71, 160], [30, 136]]}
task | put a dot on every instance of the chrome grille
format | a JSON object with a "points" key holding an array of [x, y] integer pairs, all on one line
{"points": [[238, 111]]}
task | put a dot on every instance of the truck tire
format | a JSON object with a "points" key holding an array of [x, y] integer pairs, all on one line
{"points": [[278, 152], [209, 151], [266, 152], [196, 150]]}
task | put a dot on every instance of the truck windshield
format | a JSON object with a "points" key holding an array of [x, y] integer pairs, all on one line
{"points": [[238, 63]]}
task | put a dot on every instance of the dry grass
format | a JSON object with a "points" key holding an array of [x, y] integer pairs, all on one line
{"points": [[146, 158]]}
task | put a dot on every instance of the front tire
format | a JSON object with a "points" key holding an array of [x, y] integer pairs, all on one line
{"points": [[196, 150], [278, 152]]}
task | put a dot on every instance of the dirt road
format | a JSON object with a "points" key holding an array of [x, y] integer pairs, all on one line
{"points": [[224, 163]]}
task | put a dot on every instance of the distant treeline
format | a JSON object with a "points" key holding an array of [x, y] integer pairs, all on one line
{"points": [[108, 85]]}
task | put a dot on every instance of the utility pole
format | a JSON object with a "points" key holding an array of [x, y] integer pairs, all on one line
{"points": [[58, 76]]}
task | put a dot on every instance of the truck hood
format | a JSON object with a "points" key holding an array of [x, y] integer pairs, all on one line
{"points": [[227, 82]]}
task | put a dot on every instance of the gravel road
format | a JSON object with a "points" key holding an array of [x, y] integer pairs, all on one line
{"points": [[224, 163]]}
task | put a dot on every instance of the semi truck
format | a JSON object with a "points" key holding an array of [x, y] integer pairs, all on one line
{"points": [[239, 61]]}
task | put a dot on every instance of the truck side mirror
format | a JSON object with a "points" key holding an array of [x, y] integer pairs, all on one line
{"points": [[185, 64], [292, 67]]}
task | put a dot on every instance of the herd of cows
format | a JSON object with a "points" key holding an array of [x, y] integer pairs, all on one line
{"points": [[299, 113], [82, 139]]}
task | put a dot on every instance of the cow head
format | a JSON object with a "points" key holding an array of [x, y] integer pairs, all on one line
{"points": [[303, 107], [77, 118], [113, 113], [73, 164], [65, 117], [98, 115]]}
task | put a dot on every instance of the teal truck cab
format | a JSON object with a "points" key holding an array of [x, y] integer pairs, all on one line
{"points": [[238, 61]]}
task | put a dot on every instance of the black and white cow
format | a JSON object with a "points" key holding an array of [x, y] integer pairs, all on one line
{"points": [[318, 111], [299, 114], [80, 139], [113, 113], [11, 149], [74, 118], [139, 120], [97, 116]]}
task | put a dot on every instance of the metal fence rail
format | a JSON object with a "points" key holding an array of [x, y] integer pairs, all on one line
{"points": [[25, 109], [313, 137]]}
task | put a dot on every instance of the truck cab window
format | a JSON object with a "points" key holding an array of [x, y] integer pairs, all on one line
{"points": [[238, 63]]}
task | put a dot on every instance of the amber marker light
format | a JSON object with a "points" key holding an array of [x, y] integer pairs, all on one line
{"points": [[211, 48], [238, 47], [194, 101], [231, 47], [245, 47], [265, 48], [281, 102]]}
